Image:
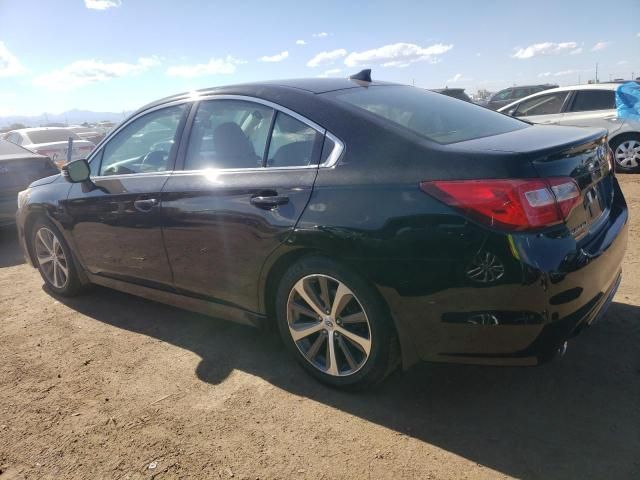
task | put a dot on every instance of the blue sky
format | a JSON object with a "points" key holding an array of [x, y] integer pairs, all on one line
{"points": [[114, 55]]}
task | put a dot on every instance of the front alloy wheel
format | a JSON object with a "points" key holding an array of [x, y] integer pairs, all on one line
{"points": [[51, 258], [328, 325]]}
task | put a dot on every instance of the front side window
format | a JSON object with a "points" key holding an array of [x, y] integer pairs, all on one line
{"points": [[143, 146], [431, 115], [586, 100], [293, 143], [542, 105], [228, 134]]}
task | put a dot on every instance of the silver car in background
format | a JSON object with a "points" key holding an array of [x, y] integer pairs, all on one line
{"points": [[51, 142], [592, 105]]}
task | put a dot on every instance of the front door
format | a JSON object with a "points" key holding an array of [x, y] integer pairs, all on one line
{"points": [[248, 175], [117, 226]]}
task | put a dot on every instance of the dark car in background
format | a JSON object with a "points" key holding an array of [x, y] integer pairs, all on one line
{"points": [[372, 223], [18, 168], [458, 93], [511, 94]]}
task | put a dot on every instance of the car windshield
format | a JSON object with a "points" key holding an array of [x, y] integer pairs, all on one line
{"points": [[51, 135], [434, 116]]}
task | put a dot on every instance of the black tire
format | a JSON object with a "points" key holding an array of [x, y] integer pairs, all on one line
{"points": [[615, 143], [72, 286], [383, 356]]}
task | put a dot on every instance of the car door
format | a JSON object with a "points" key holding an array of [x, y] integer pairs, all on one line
{"points": [[543, 108], [593, 108], [116, 225], [248, 171]]}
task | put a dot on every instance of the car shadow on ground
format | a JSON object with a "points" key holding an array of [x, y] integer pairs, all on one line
{"points": [[10, 252], [573, 418]]}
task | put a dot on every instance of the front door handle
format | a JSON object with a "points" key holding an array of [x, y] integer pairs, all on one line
{"points": [[145, 204], [269, 202]]}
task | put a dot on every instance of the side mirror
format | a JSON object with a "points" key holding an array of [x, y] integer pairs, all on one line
{"points": [[77, 171], [511, 112]]}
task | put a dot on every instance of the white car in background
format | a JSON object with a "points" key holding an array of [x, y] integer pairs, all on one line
{"points": [[584, 106], [51, 142]]}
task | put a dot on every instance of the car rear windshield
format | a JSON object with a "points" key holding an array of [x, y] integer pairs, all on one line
{"points": [[431, 115], [51, 135]]}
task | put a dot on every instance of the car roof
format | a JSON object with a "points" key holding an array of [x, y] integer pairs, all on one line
{"points": [[447, 89], [312, 86], [37, 129]]}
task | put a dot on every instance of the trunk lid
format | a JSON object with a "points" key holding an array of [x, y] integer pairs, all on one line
{"points": [[556, 151]]}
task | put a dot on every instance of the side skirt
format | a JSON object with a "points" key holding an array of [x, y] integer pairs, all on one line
{"points": [[211, 309]]}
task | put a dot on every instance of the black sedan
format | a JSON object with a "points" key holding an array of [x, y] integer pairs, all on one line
{"points": [[18, 168], [375, 224]]}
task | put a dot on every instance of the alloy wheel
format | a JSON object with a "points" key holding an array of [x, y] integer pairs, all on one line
{"points": [[628, 154], [51, 258], [485, 268], [328, 325]]}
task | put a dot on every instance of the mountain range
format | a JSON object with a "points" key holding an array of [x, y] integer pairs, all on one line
{"points": [[71, 117]]}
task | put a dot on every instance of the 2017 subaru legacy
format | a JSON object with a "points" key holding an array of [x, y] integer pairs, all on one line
{"points": [[374, 224]]}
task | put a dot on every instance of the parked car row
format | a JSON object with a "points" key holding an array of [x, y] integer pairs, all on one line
{"points": [[52, 142], [373, 224]]}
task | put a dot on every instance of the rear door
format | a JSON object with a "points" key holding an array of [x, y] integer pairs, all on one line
{"points": [[248, 171], [117, 226], [592, 108]]}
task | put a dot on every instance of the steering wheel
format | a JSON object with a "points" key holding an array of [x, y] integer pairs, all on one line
{"points": [[155, 158]]}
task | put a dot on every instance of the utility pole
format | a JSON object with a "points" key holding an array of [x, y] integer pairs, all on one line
{"points": [[597, 73]]}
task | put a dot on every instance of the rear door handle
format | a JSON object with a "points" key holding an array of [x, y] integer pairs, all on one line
{"points": [[269, 202], [145, 204]]}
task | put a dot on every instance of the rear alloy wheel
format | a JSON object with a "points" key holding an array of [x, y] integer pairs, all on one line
{"points": [[335, 324], [626, 153], [328, 325], [53, 259]]}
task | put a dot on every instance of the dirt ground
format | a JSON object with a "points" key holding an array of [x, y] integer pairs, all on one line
{"points": [[108, 385]]}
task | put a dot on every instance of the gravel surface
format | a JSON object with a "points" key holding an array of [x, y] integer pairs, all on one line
{"points": [[108, 385]]}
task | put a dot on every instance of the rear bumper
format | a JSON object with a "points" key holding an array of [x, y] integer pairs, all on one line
{"points": [[552, 289]]}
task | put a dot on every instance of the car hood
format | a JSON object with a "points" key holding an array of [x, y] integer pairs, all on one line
{"points": [[535, 139], [46, 180]]}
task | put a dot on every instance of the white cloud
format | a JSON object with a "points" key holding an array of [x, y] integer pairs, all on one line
{"points": [[300, 42], [278, 57], [330, 73], [397, 55], [576, 51], [622, 62], [215, 66], [458, 77], [102, 4], [327, 58], [600, 46], [10, 66], [561, 73], [320, 35], [545, 48], [85, 72]]}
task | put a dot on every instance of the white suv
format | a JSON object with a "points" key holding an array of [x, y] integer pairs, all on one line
{"points": [[584, 106]]}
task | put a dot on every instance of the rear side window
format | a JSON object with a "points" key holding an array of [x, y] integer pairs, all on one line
{"points": [[52, 135], [586, 100], [431, 115], [542, 105], [293, 143], [503, 95], [228, 134]]}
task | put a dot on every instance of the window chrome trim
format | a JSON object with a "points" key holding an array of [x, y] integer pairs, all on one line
{"points": [[331, 161]]}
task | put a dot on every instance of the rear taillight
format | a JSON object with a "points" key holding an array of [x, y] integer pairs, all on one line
{"points": [[510, 204]]}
